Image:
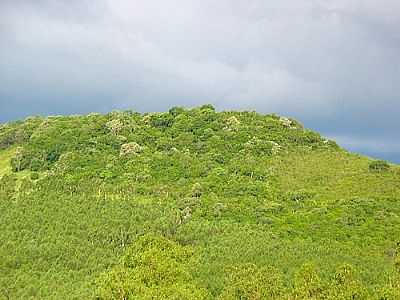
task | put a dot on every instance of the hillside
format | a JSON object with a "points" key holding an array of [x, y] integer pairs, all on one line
{"points": [[192, 204]]}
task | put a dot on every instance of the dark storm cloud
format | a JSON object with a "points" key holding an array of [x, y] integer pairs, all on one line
{"points": [[334, 65]]}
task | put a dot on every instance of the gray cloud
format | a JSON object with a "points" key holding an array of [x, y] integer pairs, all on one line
{"points": [[332, 64]]}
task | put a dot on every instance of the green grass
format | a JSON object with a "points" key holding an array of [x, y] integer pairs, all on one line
{"points": [[334, 175]]}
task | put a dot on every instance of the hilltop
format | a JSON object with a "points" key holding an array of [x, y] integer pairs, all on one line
{"points": [[192, 204]]}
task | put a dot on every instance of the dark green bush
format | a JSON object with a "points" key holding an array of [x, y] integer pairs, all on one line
{"points": [[34, 175], [207, 107], [379, 166], [36, 164], [52, 156], [162, 120], [21, 160], [176, 110]]}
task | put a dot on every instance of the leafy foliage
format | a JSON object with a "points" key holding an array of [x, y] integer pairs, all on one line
{"points": [[192, 204], [379, 166], [152, 268]]}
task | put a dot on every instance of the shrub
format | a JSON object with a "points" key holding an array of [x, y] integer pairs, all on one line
{"points": [[259, 147], [21, 160], [218, 209], [379, 166], [36, 164], [162, 120], [308, 284], [34, 175], [300, 195], [285, 121], [207, 107], [130, 148], [52, 156], [106, 174], [345, 285], [232, 124], [306, 138], [251, 282], [197, 190], [115, 126], [152, 268], [8, 184], [176, 110]]}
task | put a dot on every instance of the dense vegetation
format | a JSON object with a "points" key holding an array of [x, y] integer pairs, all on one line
{"points": [[192, 204]]}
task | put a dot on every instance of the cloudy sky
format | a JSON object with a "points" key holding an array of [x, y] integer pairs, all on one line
{"points": [[332, 64]]}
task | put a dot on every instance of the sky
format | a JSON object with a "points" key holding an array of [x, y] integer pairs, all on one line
{"points": [[332, 64]]}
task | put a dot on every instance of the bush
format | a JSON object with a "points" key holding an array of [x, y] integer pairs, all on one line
{"points": [[52, 156], [197, 190], [259, 147], [115, 126], [345, 285], [21, 160], [162, 120], [207, 107], [176, 110], [308, 284], [251, 282], [130, 148], [379, 166], [35, 176], [152, 268], [301, 195], [36, 164], [8, 184]]}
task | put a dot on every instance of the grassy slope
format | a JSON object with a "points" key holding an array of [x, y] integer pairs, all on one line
{"points": [[60, 233], [341, 224], [336, 175]]}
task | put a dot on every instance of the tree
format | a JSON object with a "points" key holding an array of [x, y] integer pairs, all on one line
{"points": [[379, 166], [152, 268], [130, 148], [249, 282], [115, 126]]}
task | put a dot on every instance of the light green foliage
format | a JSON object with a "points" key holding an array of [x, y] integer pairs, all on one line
{"points": [[152, 268], [345, 285], [308, 284], [196, 190], [207, 205], [232, 124], [8, 187], [342, 286], [130, 148], [18, 132], [115, 126], [251, 282], [19, 161], [5, 159]]}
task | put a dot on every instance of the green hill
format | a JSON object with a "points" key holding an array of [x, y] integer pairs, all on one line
{"points": [[192, 204]]}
